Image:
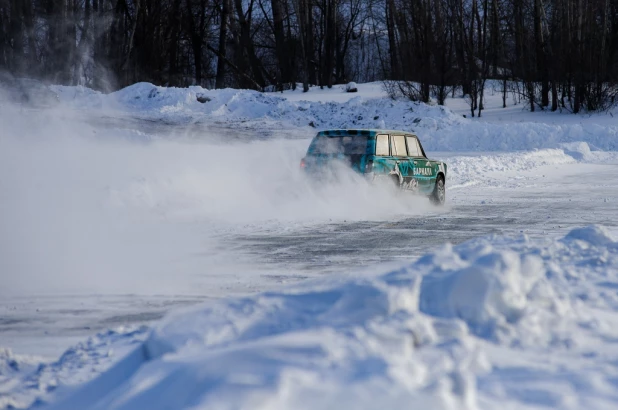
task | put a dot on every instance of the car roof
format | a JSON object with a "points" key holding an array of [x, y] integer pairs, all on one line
{"points": [[370, 132]]}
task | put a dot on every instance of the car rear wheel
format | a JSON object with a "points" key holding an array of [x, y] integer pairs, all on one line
{"points": [[438, 196]]}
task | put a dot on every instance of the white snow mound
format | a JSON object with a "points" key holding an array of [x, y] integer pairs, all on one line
{"points": [[593, 235], [492, 322], [439, 128], [489, 292]]}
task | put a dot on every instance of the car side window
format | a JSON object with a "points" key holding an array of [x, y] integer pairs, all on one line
{"points": [[399, 145], [382, 145], [413, 149], [420, 149]]}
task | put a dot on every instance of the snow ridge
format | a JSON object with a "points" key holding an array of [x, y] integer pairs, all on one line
{"points": [[30, 381], [441, 331], [439, 127]]}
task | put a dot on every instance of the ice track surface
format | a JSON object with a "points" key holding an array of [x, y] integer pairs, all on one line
{"points": [[113, 221]]}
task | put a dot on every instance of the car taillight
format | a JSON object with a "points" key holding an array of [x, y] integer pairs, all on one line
{"points": [[369, 166], [302, 163]]}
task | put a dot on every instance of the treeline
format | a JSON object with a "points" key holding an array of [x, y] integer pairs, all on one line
{"points": [[554, 54]]}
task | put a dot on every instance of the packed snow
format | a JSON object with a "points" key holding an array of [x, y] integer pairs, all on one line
{"points": [[496, 321], [439, 128], [119, 209]]}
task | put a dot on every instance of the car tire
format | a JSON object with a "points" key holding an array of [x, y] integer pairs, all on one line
{"points": [[438, 196]]}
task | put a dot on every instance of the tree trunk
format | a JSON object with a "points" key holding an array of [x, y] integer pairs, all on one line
{"points": [[504, 92], [31, 35], [302, 10], [225, 12], [247, 43], [554, 96], [578, 96], [395, 73], [309, 37], [196, 37], [279, 33], [196, 42], [174, 38], [291, 50], [541, 63], [329, 40], [125, 65], [16, 33]]}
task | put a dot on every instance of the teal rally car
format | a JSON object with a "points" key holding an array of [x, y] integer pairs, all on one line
{"points": [[394, 157]]}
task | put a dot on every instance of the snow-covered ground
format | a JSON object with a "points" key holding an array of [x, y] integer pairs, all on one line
{"points": [[497, 321], [117, 209], [440, 129]]}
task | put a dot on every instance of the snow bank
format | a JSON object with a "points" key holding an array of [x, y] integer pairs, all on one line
{"points": [[465, 170], [439, 127], [500, 298], [25, 380], [591, 235], [179, 105], [481, 136], [516, 169], [492, 322]]}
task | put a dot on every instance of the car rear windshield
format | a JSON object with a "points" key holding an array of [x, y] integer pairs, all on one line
{"points": [[346, 145]]}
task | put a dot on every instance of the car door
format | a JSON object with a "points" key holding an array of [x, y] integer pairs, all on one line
{"points": [[382, 160], [403, 163], [433, 169], [422, 168], [385, 164]]}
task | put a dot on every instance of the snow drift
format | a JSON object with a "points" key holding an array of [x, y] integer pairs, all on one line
{"points": [[440, 333], [439, 128]]}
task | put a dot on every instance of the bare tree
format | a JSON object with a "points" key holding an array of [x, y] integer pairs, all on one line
{"points": [[558, 53]]}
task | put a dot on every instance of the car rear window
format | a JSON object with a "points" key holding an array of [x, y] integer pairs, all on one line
{"points": [[346, 145]]}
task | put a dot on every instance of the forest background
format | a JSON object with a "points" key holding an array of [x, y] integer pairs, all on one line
{"points": [[555, 54]]}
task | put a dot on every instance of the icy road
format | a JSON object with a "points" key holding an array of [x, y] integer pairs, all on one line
{"points": [[117, 221]]}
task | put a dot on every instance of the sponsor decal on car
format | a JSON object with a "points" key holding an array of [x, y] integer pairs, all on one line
{"points": [[423, 171]]}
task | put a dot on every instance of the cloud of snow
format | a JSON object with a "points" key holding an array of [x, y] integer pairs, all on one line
{"points": [[102, 208]]}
